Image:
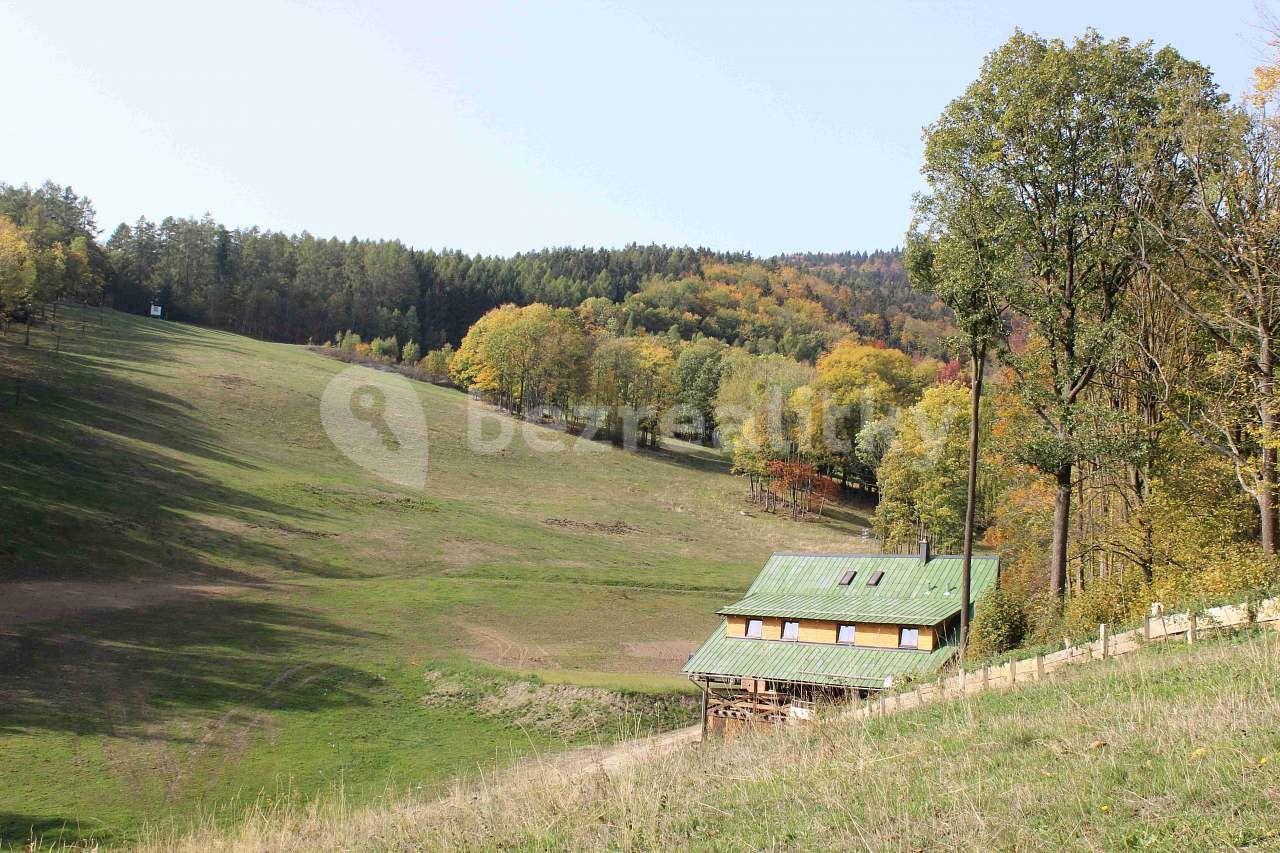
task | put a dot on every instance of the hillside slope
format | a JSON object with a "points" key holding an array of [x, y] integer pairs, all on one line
{"points": [[201, 600], [1171, 748]]}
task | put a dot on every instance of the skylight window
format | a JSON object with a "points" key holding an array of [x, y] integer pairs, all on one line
{"points": [[874, 580], [847, 578]]}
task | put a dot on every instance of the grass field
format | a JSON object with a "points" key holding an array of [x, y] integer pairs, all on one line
{"points": [[203, 603], [1172, 748]]}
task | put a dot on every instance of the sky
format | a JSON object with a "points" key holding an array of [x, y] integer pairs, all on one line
{"points": [[504, 127]]}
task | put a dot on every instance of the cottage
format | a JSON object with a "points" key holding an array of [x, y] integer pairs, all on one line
{"points": [[833, 626]]}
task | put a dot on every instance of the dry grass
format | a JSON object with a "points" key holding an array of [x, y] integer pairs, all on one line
{"points": [[1171, 748]]}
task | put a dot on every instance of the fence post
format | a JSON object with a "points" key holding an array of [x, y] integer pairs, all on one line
{"points": [[1191, 627], [1039, 666], [1102, 639], [986, 675]]}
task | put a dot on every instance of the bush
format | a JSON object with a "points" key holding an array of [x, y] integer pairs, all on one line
{"points": [[998, 625], [436, 362], [385, 349], [1116, 599], [410, 353], [348, 341]]}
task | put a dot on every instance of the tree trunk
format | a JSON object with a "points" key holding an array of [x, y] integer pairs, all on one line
{"points": [[1061, 530], [1267, 476], [971, 494]]}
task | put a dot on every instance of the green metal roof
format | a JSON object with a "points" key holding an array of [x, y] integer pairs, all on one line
{"points": [[811, 663], [921, 610], [910, 592], [807, 586]]}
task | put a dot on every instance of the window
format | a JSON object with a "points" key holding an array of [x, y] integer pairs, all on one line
{"points": [[874, 580], [908, 638], [847, 578], [755, 627], [845, 634], [790, 630]]}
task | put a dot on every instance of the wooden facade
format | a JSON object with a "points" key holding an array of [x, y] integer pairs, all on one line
{"points": [[869, 634]]}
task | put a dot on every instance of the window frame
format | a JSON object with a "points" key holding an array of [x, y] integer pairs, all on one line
{"points": [[746, 629], [902, 636], [853, 634], [783, 635]]}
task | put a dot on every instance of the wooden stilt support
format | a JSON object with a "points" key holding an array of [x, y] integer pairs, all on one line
{"points": [[704, 710]]}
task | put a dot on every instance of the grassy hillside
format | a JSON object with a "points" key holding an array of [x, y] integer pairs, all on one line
{"points": [[202, 600], [1173, 748]]}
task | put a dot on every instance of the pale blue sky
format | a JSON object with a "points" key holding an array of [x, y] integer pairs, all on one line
{"points": [[494, 127]]}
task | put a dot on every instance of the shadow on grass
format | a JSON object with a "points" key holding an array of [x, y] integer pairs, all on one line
{"points": [[123, 674], [42, 831], [102, 477]]}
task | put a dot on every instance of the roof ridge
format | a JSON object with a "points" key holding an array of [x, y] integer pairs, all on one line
{"points": [[880, 556]]}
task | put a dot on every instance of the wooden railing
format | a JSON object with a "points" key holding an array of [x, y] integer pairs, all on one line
{"points": [[1158, 626]]}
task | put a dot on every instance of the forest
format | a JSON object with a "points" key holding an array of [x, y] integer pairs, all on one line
{"points": [[1071, 363]]}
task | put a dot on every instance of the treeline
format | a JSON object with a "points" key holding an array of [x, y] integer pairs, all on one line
{"points": [[302, 288], [48, 250]]}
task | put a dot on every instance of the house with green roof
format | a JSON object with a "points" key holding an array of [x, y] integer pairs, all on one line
{"points": [[831, 626]]}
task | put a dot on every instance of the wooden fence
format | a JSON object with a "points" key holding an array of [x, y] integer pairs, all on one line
{"points": [[1187, 627]]}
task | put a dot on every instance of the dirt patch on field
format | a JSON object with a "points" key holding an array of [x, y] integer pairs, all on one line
{"points": [[22, 602], [493, 646], [459, 554], [233, 525], [615, 528], [228, 380], [674, 651]]}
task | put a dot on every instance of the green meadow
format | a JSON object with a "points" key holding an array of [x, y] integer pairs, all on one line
{"points": [[204, 605]]}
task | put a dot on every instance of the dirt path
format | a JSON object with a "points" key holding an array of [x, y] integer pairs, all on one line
{"points": [[614, 758]]}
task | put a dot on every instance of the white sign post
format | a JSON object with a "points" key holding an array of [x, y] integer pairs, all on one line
{"points": [[155, 310]]}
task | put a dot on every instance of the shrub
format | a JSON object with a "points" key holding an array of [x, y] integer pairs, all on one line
{"points": [[437, 361], [348, 341], [1116, 599], [385, 349], [410, 353], [998, 625]]}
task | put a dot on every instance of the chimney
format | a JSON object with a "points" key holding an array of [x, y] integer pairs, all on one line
{"points": [[924, 550]]}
